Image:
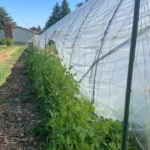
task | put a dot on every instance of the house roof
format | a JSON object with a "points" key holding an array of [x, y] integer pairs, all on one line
{"points": [[26, 29]]}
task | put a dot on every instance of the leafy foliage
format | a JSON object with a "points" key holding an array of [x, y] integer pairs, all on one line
{"points": [[68, 120], [6, 41], [4, 17], [51, 47]]}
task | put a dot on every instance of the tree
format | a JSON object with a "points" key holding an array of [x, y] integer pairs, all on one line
{"points": [[4, 17], [56, 13], [33, 29], [65, 10], [36, 29], [39, 28], [55, 16]]}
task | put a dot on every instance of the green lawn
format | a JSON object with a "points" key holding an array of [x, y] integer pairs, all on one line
{"points": [[6, 66]]}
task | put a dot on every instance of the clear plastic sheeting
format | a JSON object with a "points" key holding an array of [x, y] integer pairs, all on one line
{"points": [[95, 39]]}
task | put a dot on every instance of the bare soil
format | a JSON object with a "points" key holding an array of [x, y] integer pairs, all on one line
{"points": [[18, 113]]}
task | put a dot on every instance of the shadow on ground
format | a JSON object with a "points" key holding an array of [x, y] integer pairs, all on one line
{"points": [[18, 112], [16, 82]]}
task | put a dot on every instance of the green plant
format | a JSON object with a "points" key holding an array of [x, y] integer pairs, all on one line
{"points": [[6, 41], [51, 47], [68, 121], [2, 42]]}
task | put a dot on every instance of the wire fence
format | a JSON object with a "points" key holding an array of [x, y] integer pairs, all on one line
{"points": [[95, 39]]}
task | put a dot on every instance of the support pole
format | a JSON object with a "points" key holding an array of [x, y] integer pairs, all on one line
{"points": [[130, 74], [45, 40]]}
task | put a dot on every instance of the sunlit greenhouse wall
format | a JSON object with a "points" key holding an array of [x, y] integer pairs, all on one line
{"points": [[95, 40]]}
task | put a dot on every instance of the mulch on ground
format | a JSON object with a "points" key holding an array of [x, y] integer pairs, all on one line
{"points": [[18, 112]]}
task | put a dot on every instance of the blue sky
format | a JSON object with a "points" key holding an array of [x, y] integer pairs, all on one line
{"points": [[28, 13]]}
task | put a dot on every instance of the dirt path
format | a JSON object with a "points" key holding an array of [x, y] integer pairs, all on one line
{"points": [[6, 55], [17, 111]]}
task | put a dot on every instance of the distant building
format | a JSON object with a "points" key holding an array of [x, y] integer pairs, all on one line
{"points": [[21, 36], [24, 36]]}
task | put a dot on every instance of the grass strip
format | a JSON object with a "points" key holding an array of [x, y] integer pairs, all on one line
{"points": [[5, 67], [4, 48]]}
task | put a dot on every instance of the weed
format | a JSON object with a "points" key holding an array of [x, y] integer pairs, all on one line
{"points": [[51, 47], [6, 41]]}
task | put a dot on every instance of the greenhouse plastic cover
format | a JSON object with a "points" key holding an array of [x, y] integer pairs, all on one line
{"points": [[95, 39]]}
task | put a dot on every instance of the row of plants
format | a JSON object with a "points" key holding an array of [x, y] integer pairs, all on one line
{"points": [[6, 41], [68, 121], [5, 67]]}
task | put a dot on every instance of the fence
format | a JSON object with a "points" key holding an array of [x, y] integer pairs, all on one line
{"points": [[95, 39]]}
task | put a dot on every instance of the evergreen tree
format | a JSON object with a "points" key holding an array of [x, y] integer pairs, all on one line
{"points": [[65, 10], [4, 17], [55, 16], [56, 13]]}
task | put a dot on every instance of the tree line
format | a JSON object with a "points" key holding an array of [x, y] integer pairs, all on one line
{"points": [[58, 13]]}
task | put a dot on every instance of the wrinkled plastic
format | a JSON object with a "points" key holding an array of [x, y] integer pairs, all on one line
{"points": [[95, 39]]}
